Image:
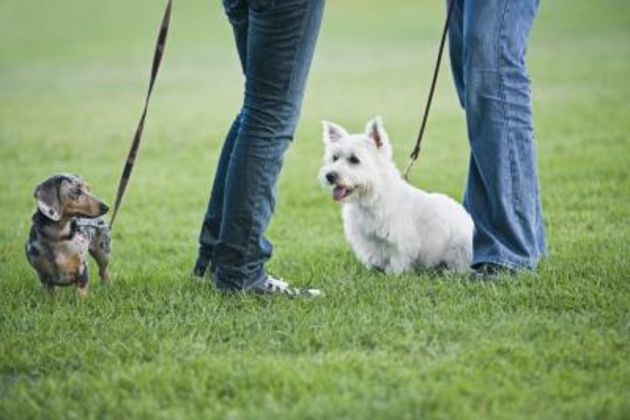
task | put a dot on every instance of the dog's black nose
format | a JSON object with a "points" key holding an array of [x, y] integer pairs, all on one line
{"points": [[332, 177], [104, 208]]}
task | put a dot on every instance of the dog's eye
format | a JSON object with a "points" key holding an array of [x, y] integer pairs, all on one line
{"points": [[335, 158], [77, 192], [354, 160]]}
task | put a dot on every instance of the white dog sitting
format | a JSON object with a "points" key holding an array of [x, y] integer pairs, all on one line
{"points": [[391, 225]]}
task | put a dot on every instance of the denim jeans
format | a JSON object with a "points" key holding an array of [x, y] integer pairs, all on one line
{"points": [[275, 40], [488, 43]]}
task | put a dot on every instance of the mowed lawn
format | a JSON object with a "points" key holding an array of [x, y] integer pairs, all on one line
{"points": [[555, 344]]}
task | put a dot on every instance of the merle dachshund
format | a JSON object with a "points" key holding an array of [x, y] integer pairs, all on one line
{"points": [[66, 226]]}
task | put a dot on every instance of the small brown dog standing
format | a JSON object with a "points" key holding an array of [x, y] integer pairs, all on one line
{"points": [[66, 226]]}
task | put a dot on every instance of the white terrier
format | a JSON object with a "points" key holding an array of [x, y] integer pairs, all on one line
{"points": [[391, 225]]}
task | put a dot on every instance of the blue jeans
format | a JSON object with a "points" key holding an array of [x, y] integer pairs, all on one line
{"points": [[275, 41], [488, 43]]}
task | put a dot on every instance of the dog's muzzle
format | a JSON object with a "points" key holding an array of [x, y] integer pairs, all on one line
{"points": [[339, 191]]}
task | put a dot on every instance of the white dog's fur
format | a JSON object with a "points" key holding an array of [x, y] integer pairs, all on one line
{"points": [[391, 225]]}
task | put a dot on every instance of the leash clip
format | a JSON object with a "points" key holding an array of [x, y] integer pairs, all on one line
{"points": [[408, 168]]}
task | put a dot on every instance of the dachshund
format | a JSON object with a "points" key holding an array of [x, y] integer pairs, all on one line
{"points": [[68, 224]]}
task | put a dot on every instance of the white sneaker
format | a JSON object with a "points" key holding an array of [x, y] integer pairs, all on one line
{"points": [[274, 286]]}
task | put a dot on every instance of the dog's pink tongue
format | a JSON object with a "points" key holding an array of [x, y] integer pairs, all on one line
{"points": [[339, 193]]}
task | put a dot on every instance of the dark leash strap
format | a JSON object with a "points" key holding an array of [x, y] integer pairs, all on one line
{"points": [[135, 144], [416, 150]]}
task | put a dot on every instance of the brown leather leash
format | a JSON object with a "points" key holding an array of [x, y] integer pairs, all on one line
{"points": [[416, 150], [135, 144]]}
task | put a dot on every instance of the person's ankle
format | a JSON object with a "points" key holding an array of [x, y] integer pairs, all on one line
{"points": [[200, 268]]}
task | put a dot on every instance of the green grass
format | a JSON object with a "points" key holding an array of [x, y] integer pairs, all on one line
{"points": [[549, 345]]}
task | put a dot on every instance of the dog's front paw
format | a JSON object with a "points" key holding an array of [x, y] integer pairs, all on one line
{"points": [[83, 291], [104, 275], [395, 268]]}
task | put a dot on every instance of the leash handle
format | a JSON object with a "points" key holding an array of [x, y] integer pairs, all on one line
{"points": [[135, 144], [416, 150]]}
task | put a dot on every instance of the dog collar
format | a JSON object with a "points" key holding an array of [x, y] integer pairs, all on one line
{"points": [[73, 231], [43, 220]]}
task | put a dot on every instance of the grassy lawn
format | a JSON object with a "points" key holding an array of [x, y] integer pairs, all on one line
{"points": [[554, 344]]}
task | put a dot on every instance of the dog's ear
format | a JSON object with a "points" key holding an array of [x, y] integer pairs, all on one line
{"points": [[333, 132], [375, 131], [47, 196]]}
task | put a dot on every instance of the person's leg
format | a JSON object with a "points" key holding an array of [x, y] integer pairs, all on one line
{"points": [[211, 225], [502, 191], [456, 47], [238, 15], [280, 45]]}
